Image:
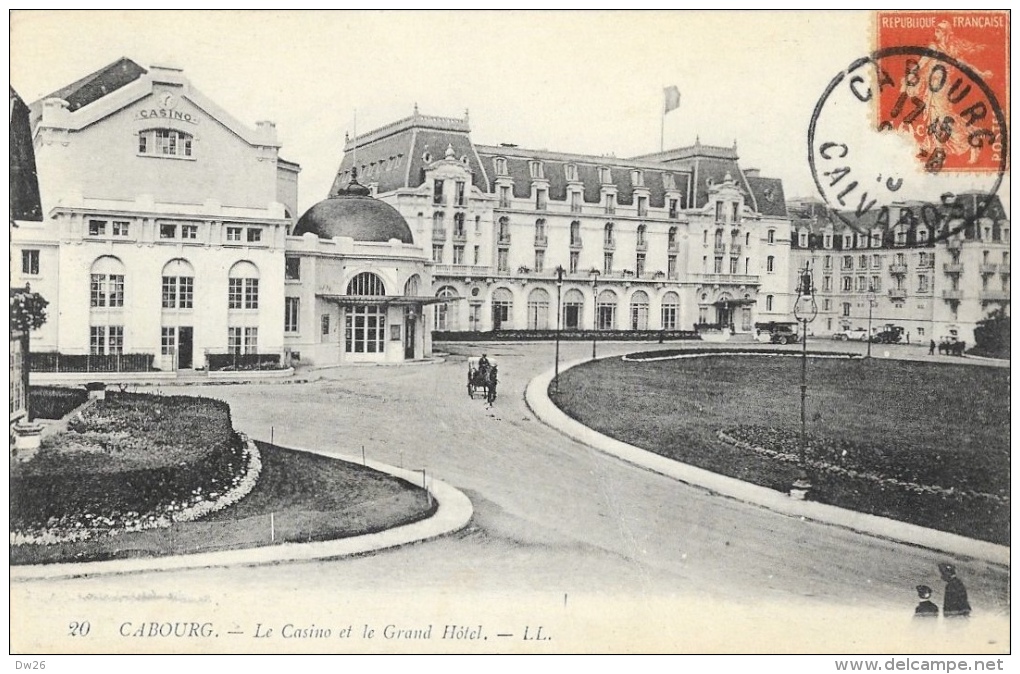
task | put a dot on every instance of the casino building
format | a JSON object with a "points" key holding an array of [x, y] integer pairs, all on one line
{"points": [[931, 283], [663, 242], [168, 236]]}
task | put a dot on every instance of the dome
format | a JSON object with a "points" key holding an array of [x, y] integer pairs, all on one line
{"points": [[352, 212]]}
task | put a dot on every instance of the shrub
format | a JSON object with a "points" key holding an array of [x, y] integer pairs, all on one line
{"points": [[53, 402]]}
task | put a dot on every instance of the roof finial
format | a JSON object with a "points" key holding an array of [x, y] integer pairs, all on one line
{"points": [[416, 108], [450, 154], [467, 114], [734, 143], [697, 140]]}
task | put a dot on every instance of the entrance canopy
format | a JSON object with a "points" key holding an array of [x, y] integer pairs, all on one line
{"points": [[733, 303]]}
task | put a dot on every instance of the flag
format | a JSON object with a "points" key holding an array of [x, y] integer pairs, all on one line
{"points": [[672, 99]]}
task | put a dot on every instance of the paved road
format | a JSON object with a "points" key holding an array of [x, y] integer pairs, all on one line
{"points": [[607, 555]]}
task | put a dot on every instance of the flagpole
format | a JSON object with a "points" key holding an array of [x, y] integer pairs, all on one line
{"points": [[662, 129]]}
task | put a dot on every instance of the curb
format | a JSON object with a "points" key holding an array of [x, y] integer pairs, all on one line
{"points": [[453, 513], [537, 398]]}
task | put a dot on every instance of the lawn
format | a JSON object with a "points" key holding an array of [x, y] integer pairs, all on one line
{"points": [[141, 475], [919, 442]]}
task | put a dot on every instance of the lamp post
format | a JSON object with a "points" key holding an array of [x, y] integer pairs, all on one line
{"points": [[559, 315], [595, 310], [804, 310], [871, 306]]}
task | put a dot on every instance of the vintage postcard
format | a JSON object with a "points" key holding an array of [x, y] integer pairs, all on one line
{"points": [[511, 332]]}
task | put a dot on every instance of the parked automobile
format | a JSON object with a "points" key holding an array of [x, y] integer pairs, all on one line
{"points": [[851, 335], [784, 335], [890, 334]]}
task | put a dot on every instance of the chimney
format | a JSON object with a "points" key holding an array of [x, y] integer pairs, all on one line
{"points": [[266, 131]]}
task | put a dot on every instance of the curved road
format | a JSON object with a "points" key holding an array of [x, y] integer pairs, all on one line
{"points": [[605, 556]]}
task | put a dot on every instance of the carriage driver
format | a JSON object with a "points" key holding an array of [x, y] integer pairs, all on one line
{"points": [[483, 364]]}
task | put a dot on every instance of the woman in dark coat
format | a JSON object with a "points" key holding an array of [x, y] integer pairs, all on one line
{"points": [[954, 604]]}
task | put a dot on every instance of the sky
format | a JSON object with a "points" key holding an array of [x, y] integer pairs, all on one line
{"points": [[585, 82]]}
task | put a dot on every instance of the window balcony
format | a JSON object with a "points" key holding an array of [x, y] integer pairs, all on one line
{"points": [[1004, 268], [897, 293], [439, 235], [610, 210], [720, 248], [898, 269], [673, 214], [642, 211], [987, 268], [642, 244], [541, 241], [575, 208], [952, 295], [609, 244], [952, 268], [954, 244], [994, 296], [673, 246], [575, 243], [504, 239], [735, 249], [459, 235], [504, 202]]}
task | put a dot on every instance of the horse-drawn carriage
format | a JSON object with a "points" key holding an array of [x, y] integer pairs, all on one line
{"points": [[482, 377]]}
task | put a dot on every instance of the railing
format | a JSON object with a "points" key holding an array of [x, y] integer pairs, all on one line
{"points": [[51, 361], [988, 268], [1004, 268], [460, 269], [673, 246], [575, 242], [952, 295], [673, 215], [565, 335], [898, 293], [610, 210], [735, 249], [504, 239], [898, 269], [575, 208], [642, 245], [439, 234], [952, 268], [740, 279], [609, 244], [504, 203], [720, 247], [541, 240], [994, 296]]}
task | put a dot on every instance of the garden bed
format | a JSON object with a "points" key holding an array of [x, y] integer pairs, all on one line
{"points": [[924, 443], [54, 402]]}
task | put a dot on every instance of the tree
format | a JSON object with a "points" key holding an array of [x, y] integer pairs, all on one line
{"points": [[992, 335], [28, 310]]}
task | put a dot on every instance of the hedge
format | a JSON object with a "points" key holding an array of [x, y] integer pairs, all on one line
{"points": [[246, 361], [564, 335], [52, 402], [52, 361]]}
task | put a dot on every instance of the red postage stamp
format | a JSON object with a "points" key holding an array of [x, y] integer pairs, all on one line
{"points": [[944, 79]]}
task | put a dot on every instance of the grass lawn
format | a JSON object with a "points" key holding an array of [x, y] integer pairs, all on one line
{"points": [[311, 498], [933, 424]]}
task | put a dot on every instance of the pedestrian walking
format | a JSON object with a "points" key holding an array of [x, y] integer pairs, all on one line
{"points": [[931, 348], [954, 603], [926, 608]]}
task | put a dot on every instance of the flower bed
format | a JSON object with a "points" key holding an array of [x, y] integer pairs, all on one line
{"points": [[53, 402], [131, 462], [670, 354]]}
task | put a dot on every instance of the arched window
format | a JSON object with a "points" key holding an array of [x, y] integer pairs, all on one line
{"points": [[458, 225], [608, 239], [639, 310], [243, 288], [500, 164], [504, 229], [164, 143], [178, 284], [107, 282], [605, 310], [573, 310], [106, 302], [672, 237], [768, 302], [770, 264], [437, 224], [446, 312], [670, 311], [502, 309], [413, 286], [641, 232], [366, 283], [538, 309]]}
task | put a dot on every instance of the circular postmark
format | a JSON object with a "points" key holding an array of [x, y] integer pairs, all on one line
{"points": [[909, 140]]}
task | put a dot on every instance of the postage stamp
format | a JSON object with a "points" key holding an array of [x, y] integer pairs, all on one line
{"points": [[916, 133]]}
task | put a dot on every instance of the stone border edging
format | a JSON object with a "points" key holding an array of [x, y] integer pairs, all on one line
{"points": [[452, 514], [722, 352], [537, 398]]}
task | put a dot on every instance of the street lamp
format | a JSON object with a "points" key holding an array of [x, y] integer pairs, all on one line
{"points": [[595, 306], [805, 309], [871, 305], [559, 313]]}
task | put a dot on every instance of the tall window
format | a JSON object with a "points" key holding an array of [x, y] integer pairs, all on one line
{"points": [[446, 314], [106, 340], [503, 261], [458, 225], [607, 263], [642, 207], [772, 236], [671, 270], [504, 230], [610, 204], [671, 238], [575, 258], [575, 202], [242, 340], [642, 232], [243, 286], [541, 200], [504, 196], [571, 171], [365, 329], [540, 236], [437, 253], [459, 193], [539, 260], [608, 238], [670, 311], [639, 310], [178, 285], [500, 164], [164, 143], [292, 269], [769, 301], [575, 233], [458, 254], [538, 309], [291, 314], [639, 265], [107, 283], [605, 310], [437, 192], [502, 309], [30, 262]]}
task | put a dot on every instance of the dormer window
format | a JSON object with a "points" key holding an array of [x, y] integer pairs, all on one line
{"points": [[605, 175], [637, 178], [536, 169], [164, 143], [571, 170], [668, 182], [500, 166], [802, 239]]}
